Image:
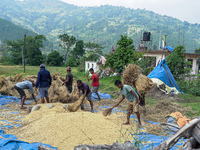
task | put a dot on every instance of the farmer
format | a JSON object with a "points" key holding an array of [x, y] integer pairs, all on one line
{"points": [[43, 82], [69, 80], [94, 83], [20, 89], [85, 92], [133, 100], [142, 100]]}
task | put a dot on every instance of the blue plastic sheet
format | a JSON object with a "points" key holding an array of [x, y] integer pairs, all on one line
{"points": [[102, 96], [162, 72]]}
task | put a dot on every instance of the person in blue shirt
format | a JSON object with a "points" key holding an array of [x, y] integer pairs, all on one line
{"points": [[133, 100], [43, 82]]}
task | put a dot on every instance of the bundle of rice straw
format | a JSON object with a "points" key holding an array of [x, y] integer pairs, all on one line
{"points": [[18, 77], [107, 112], [132, 73], [74, 107], [143, 85]]}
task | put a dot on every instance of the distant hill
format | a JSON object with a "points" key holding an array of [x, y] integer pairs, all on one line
{"points": [[10, 31], [102, 24]]}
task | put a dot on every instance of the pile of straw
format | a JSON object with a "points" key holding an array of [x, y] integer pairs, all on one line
{"points": [[132, 73], [57, 92]]}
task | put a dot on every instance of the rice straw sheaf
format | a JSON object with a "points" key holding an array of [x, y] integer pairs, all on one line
{"points": [[74, 107], [132, 73]]}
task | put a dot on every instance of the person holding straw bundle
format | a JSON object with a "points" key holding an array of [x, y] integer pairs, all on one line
{"points": [[133, 100], [85, 92]]}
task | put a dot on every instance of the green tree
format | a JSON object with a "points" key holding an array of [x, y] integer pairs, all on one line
{"points": [[33, 53], [66, 42], [54, 58], [177, 63], [93, 51], [15, 48], [79, 50], [123, 55]]}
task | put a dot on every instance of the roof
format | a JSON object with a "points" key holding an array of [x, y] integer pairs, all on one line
{"points": [[161, 51]]}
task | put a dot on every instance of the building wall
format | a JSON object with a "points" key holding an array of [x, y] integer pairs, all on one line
{"points": [[91, 64], [160, 57], [195, 67]]}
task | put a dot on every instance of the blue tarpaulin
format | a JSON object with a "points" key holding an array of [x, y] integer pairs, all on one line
{"points": [[102, 96], [163, 74]]}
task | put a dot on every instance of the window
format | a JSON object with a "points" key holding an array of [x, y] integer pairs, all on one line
{"points": [[88, 65], [92, 65], [191, 62]]}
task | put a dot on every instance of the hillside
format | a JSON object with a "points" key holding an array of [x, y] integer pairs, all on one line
{"points": [[11, 31], [102, 24]]}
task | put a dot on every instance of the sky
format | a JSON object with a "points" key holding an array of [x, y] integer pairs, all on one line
{"points": [[185, 10]]}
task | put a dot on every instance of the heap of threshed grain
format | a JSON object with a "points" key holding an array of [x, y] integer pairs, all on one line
{"points": [[132, 73]]}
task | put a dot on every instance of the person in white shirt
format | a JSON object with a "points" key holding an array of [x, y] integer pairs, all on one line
{"points": [[20, 89]]}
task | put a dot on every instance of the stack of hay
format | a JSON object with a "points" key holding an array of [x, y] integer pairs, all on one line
{"points": [[132, 73], [57, 92]]}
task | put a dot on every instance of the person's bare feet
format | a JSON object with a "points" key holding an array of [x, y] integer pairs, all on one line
{"points": [[126, 123]]}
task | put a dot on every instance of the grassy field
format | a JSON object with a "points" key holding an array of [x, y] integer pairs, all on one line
{"points": [[106, 84]]}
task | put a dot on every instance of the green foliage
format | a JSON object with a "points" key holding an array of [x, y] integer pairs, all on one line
{"points": [[12, 32], [15, 49], [54, 59], [190, 86], [79, 50], [102, 24], [66, 42], [177, 63], [124, 54], [33, 53], [71, 61]]}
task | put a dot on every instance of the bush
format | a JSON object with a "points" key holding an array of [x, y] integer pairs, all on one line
{"points": [[54, 59], [190, 86]]}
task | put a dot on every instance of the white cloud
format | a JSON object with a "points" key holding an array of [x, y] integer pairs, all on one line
{"points": [[185, 10]]}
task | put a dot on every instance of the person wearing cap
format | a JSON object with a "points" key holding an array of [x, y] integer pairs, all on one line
{"points": [[43, 82], [20, 89], [69, 80], [94, 83]]}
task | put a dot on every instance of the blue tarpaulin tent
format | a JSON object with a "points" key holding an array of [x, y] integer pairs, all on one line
{"points": [[162, 75]]}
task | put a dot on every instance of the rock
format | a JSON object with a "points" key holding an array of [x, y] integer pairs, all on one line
{"points": [[35, 107], [49, 105], [43, 147], [29, 109], [65, 106]]}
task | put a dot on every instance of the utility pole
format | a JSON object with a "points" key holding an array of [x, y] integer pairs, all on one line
{"points": [[179, 36], [165, 41], [24, 49], [159, 40], [183, 36]]}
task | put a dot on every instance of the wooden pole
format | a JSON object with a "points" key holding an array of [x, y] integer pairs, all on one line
{"points": [[24, 49]]}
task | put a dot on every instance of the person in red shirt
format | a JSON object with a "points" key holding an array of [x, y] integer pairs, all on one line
{"points": [[95, 82]]}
